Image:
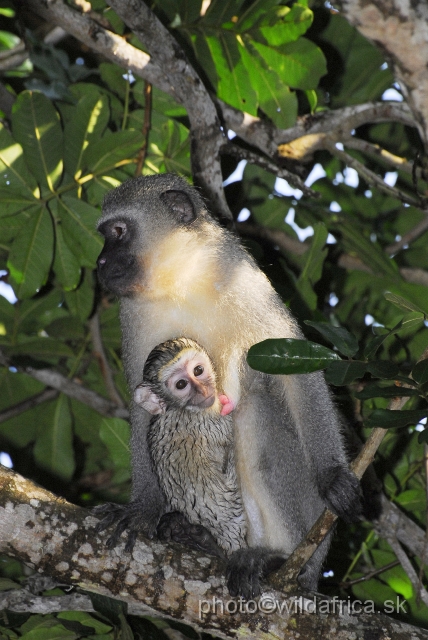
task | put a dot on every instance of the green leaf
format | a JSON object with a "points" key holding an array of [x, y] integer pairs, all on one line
{"points": [[402, 303], [7, 585], [79, 221], [383, 369], [31, 253], [299, 64], [53, 449], [233, 86], [344, 341], [14, 173], [423, 436], [288, 356], [36, 126], [420, 372], [387, 419], [220, 11], [40, 348], [369, 252], [85, 619], [81, 300], [413, 499], [274, 97], [66, 265], [115, 435], [312, 270], [13, 202], [344, 372], [111, 151], [294, 23], [108, 607], [89, 120], [374, 391], [409, 321]]}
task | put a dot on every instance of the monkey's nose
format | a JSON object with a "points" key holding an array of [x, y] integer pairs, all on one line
{"points": [[101, 261]]}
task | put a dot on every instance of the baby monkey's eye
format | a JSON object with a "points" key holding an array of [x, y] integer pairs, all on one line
{"points": [[181, 384], [198, 371]]}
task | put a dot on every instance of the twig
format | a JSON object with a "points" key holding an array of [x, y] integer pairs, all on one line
{"points": [[370, 575], [146, 127], [290, 245], [30, 403], [244, 154], [78, 392], [72, 389], [99, 353], [408, 568], [369, 148], [370, 177], [286, 577], [409, 237], [424, 554]]}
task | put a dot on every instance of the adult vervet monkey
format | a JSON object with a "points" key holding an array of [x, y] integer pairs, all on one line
{"points": [[178, 273]]}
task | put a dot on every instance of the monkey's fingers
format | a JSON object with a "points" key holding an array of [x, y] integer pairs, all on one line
{"points": [[341, 491], [175, 527], [111, 513], [248, 568]]}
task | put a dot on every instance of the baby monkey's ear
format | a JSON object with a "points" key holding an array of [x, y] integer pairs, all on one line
{"points": [[146, 398]]}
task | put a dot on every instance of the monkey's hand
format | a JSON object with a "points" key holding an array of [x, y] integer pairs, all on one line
{"points": [[248, 568], [135, 517], [175, 527], [341, 491]]}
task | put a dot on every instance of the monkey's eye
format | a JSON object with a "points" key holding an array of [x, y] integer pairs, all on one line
{"points": [[181, 384], [198, 371]]}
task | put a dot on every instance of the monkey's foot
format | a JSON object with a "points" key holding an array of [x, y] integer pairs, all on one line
{"points": [[134, 517], [248, 568], [175, 527], [341, 491]]}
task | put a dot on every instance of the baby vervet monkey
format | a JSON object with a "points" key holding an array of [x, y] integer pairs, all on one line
{"points": [[190, 441]]}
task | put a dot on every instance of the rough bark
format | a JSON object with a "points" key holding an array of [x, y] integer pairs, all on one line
{"points": [[58, 539], [400, 29]]}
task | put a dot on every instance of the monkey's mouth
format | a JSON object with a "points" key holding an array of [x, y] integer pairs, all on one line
{"points": [[205, 402]]}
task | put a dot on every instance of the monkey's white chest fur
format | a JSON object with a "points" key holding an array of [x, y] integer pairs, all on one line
{"points": [[195, 464]]}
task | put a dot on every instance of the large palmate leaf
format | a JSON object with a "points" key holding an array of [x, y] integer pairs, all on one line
{"points": [[14, 173], [274, 97], [53, 449], [111, 151], [233, 84], [36, 126], [88, 123], [31, 253], [79, 229], [300, 64]]}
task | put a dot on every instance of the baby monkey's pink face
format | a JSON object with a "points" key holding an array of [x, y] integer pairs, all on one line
{"points": [[191, 380]]}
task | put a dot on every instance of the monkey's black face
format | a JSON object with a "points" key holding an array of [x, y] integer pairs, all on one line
{"points": [[118, 268]]}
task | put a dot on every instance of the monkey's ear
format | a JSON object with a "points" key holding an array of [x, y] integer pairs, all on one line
{"points": [[145, 397], [180, 203]]}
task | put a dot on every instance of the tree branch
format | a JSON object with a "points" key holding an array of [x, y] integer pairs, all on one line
{"points": [[29, 403], [290, 245], [94, 325], [286, 577], [401, 29], [58, 539]]}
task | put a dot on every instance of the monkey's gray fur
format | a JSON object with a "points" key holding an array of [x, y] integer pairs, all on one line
{"points": [[192, 454], [177, 272]]}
